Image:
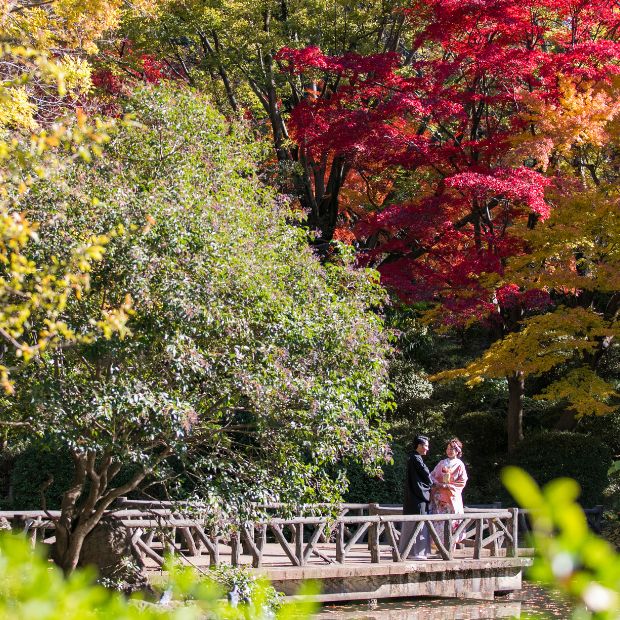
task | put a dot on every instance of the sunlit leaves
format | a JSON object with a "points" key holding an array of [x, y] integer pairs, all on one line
{"points": [[568, 555], [31, 587], [31, 291], [64, 24], [545, 342]]}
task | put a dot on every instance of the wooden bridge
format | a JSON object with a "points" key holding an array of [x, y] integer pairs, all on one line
{"points": [[352, 550]]}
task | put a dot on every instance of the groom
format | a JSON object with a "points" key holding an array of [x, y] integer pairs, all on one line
{"points": [[417, 497]]}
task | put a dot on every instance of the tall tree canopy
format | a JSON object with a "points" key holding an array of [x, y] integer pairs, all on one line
{"points": [[454, 118], [229, 50]]}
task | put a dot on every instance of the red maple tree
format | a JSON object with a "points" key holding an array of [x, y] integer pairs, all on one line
{"points": [[446, 113]]}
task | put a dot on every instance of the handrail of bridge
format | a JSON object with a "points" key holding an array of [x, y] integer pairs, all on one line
{"points": [[299, 537], [156, 526], [330, 538]]}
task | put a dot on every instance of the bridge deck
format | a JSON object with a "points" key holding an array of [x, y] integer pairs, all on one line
{"points": [[275, 561]]}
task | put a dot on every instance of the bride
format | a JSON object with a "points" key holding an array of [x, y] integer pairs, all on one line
{"points": [[449, 478]]}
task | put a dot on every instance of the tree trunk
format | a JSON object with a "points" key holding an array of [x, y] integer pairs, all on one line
{"points": [[325, 217], [109, 549], [514, 422], [82, 509]]}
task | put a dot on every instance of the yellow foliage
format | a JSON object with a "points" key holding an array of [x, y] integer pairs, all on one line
{"points": [[65, 24], [72, 24], [543, 343], [57, 29], [577, 248], [76, 73], [29, 290], [16, 111], [585, 390]]}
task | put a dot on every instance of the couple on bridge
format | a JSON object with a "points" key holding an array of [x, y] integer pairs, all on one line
{"points": [[431, 492]]}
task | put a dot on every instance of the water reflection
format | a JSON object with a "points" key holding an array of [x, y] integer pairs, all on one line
{"points": [[424, 609], [531, 600]]}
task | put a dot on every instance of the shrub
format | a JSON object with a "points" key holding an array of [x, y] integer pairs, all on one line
{"points": [[31, 588], [364, 488], [32, 471], [553, 454], [606, 427], [484, 441], [479, 429]]}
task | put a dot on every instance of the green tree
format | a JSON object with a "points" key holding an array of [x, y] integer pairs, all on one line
{"points": [[246, 359]]}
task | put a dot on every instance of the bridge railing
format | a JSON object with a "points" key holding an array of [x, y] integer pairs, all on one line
{"points": [[334, 541], [340, 539], [344, 533]]}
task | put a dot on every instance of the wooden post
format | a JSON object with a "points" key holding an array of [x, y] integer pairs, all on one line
{"points": [[493, 535], [250, 534], [248, 537], [447, 537], [189, 541], [393, 540], [170, 540], [197, 541], [150, 536], [373, 509], [235, 549], [512, 546], [134, 545], [478, 539], [211, 545], [144, 548], [215, 554], [299, 543], [375, 556], [32, 532], [261, 541], [340, 554]]}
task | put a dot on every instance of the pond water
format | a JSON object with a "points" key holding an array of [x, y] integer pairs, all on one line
{"points": [[531, 600]]}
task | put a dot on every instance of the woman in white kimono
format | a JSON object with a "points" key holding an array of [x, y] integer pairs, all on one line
{"points": [[449, 479]]}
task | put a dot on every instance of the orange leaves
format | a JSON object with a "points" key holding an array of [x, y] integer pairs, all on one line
{"points": [[582, 116]]}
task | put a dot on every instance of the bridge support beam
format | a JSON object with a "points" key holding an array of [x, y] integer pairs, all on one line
{"points": [[465, 579]]}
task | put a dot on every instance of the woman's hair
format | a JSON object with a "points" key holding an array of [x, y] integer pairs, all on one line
{"points": [[456, 443]]}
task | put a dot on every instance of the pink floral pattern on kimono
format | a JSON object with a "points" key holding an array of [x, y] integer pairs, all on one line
{"points": [[449, 479]]}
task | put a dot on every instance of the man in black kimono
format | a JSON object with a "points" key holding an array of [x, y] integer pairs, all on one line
{"points": [[416, 501]]}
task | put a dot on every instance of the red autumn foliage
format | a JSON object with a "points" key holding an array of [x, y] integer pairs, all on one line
{"points": [[107, 81], [447, 111], [122, 71], [153, 70], [142, 67]]}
